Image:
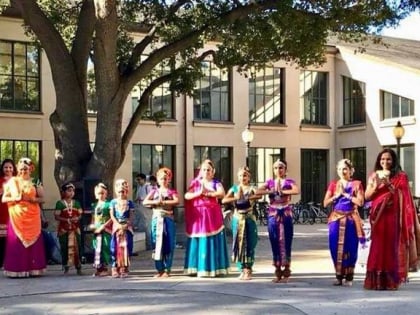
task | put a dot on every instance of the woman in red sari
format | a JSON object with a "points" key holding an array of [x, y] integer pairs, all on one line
{"points": [[392, 224], [7, 171]]}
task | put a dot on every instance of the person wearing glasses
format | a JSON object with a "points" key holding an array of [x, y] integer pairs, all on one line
{"points": [[344, 223], [25, 252], [280, 189], [102, 228], [206, 252]]}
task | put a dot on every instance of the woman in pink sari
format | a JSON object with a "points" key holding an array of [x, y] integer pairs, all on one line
{"points": [[206, 254], [392, 224]]}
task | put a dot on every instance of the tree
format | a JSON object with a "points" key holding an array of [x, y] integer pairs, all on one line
{"points": [[249, 33]]}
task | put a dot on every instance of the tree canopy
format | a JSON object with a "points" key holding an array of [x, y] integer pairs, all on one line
{"points": [[128, 41]]}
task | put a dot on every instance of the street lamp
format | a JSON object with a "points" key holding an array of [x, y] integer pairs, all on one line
{"points": [[247, 137], [398, 134]]}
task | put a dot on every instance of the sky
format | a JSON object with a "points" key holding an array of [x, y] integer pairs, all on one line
{"points": [[409, 28]]}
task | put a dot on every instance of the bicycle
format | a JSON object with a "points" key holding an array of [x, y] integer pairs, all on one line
{"points": [[260, 210], [301, 214], [318, 213]]}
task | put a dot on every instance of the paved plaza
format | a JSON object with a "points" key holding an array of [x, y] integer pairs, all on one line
{"points": [[310, 290]]}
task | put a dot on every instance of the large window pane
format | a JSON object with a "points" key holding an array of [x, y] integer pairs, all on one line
{"points": [[148, 158], [358, 157], [261, 162], [16, 149], [313, 95], [314, 172], [221, 158], [266, 96], [211, 94], [19, 76], [353, 102], [395, 106]]}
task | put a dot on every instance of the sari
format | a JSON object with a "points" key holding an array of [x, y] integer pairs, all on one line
{"points": [[4, 219], [25, 252], [69, 234], [121, 239], [101, 242], [392, 232], [345, 230], [245, 233], [206, 252], [163, 232], [280, 226]]}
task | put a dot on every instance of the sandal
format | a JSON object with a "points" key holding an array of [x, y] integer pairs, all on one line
{"points": [[338, 282]]}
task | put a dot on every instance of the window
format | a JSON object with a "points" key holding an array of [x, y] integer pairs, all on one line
{"points": [[19, 76], [161, 101], [314, 172], [266, 96], [394, 106], [211, 94], [17, 149], [261, 162], [221, 158], [353, 102], [407, 162], [149, 158], [314, 96], [358, 157]]}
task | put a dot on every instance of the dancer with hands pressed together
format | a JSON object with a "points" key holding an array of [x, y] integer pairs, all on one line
{"points": [[162, 200], [344, 223], [121, 211], [244, 225], [280, 218], [206, 250]]}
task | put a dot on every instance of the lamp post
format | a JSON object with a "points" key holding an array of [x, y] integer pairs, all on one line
{"points": [[398, 134], [247, 137]]}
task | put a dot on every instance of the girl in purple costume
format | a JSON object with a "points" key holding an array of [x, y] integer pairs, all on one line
{"points": [[280, 219], [344, 223]]}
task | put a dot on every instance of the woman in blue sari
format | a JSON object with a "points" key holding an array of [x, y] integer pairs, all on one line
{"points": [[244, 226], [344, 223], [162, 200], [280, 218]]}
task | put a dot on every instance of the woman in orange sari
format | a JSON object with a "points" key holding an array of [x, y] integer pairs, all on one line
{"points": [[25, 253], [392, 224]]}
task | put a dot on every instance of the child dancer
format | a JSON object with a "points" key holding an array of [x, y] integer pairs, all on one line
{"points": [[101, 227], [122, 231], [68, 213], [163, 200]]}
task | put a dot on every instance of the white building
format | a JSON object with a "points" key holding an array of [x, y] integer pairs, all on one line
{"points": [[311, 117]]}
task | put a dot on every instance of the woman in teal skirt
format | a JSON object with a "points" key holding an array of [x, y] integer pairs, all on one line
{"points": [[244, 225], [206, 250]]}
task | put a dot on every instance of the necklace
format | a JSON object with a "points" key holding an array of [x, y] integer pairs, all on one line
{"points": [[69, 207], [122, 205]]}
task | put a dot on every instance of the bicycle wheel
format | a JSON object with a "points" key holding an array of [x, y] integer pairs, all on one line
{"points": [[305, 217]]}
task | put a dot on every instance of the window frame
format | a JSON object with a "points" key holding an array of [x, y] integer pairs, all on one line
{"points": [[384, 116], [317, 115], [27, 78], [354, 105]]}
